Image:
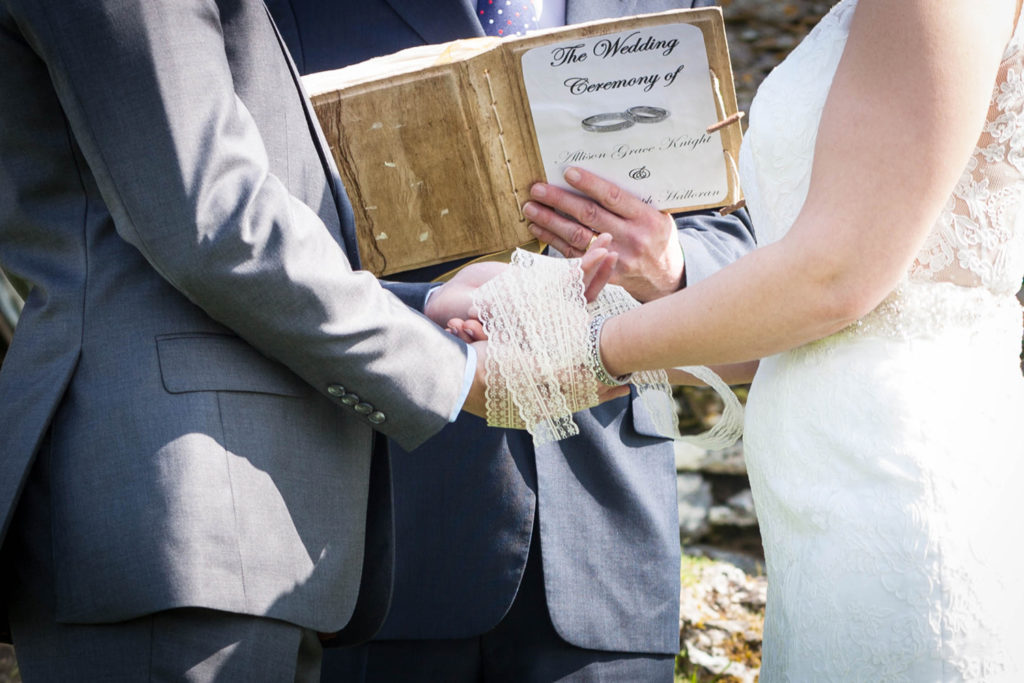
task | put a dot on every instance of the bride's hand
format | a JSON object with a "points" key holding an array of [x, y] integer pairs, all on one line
{"points": [[598, 264], [650, 260], [469, 331]]}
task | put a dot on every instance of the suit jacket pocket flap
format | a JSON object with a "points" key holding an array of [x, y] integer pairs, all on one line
{"points": [[642, 421], [217, 362]]}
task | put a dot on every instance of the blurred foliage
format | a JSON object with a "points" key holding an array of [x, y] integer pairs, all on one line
{"points": [[700, 407]]}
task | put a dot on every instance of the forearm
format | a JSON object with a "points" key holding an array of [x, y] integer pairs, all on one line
{"points": [[767, 302]]}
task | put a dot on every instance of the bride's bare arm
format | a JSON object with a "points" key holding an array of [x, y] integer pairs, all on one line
{"points": [[901, 120]]}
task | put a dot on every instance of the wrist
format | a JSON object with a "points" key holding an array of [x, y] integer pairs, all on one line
{"points": [[431, 310], [675, 267], [681, 273], [597, 363], [665, 273]]}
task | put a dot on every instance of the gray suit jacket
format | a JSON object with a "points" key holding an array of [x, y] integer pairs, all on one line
{"points": [[207, 365], [467, 501]]}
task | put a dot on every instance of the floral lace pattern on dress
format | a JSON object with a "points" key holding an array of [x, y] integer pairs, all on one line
{"points": [[979, 239]]}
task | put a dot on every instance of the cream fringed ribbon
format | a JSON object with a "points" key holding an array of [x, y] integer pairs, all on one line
{"points": [[539, 367]]}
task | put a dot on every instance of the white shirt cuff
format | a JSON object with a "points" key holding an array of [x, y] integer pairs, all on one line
{"points": [[430, 293], [467, 382]]}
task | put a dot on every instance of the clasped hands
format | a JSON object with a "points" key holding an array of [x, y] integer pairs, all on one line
{"points": [[618, 238]]}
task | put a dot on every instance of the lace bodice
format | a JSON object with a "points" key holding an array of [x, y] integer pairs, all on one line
{"points": [[978, 240]]}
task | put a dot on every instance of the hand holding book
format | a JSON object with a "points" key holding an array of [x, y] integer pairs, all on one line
{"points": [[650, 260]]}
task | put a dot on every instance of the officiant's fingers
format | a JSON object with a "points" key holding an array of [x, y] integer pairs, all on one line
{"points": [[599, 205], [561, 232], [567, 218], [610, 196]]}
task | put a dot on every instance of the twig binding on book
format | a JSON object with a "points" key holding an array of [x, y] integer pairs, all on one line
{"points": [[734, 173], [724, 122]]}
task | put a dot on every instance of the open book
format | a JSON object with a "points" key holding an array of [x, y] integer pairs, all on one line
{"points": [[438, 145]]}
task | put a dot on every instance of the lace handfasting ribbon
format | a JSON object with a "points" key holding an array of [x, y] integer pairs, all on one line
{"points": [[538, 365]]}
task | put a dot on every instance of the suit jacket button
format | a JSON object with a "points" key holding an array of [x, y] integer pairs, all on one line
{"points": [[376, 417], [363, 408], [335, 390], [350, 399]]}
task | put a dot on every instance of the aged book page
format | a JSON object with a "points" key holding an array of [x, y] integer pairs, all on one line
{"points": [[438, 145]]}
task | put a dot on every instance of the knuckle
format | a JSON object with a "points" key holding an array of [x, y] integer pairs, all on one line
{"points": [[614, 195], [581, 237], [589, 214]]}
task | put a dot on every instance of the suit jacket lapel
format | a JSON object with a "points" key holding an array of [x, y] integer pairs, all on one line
{"points": [[439, 21]]}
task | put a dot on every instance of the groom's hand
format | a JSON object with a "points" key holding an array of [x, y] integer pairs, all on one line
{"points": [[650, 260], [454, 299]]}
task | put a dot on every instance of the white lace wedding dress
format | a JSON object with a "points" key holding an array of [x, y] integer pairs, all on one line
{"points": [[886, 460]]}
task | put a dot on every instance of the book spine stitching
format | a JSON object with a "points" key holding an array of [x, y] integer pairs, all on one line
{"points": [[501, 140]]}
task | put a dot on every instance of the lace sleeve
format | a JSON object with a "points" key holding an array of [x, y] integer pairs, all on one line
{"points": [[538, 365]]}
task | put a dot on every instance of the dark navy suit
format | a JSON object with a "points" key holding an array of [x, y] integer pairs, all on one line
{"points": [[596, 514]]}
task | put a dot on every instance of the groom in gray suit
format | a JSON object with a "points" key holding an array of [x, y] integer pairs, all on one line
{"points": [[512, 562], [188, 407]]}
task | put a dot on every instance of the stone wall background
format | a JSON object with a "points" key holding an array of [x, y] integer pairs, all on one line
{"points": [[761, 33]]}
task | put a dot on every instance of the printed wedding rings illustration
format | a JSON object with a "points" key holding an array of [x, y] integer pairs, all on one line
{"points": [[620, 120], [606, 123], [645, 114]]}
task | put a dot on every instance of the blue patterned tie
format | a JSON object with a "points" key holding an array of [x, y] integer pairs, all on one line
{"points": [[506, 17]]}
